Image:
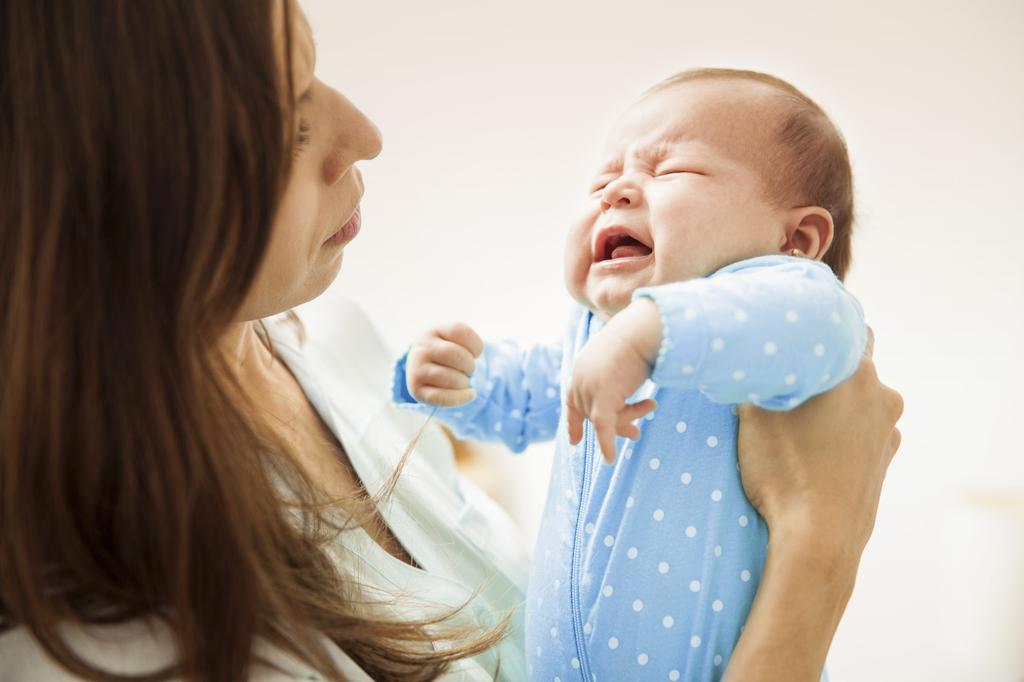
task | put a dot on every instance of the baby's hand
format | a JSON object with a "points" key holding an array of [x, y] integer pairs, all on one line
{"points": [[612, 366], [439, 365]]}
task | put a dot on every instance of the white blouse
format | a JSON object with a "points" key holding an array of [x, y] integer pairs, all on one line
{"points": [[463, 541]]}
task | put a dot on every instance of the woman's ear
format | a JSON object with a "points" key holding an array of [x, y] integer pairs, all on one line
{"points": [[809, 229]]}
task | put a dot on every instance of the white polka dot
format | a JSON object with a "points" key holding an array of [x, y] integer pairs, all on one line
{"points": [[663, 567], [718, 550], [490, 386], [825, 378], [712, 441], [686, 478], [668, 621], [554, 633], [638, 605], [791, 316], [691, 532], [753, 397], [550, 392], [587, 628], [632, 552], [740, 315], [557, 584], [717, 605], [673, 675], [819, 350], [629, 501], [790, 379], [745, 575], [654, 463], [717, 344], [642, 659], [515, 414], [575, 663], [497, 426], [744, 520], [681, 427], [607, 590], [770, 348], [739, 375], [568, 494], [589, 528], [687, 369], [613, 643], [718, 659], [694, 586], [695, 641], [609, 541], [793, 402], [658, 514], [716, 495]]}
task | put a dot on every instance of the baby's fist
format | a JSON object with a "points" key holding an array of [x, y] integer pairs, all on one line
{"points": [[439, 365]]}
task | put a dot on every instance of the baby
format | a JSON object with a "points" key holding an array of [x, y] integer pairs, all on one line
{"points": [[697, 266]]}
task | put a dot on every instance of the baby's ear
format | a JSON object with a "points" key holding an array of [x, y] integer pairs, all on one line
{"points": [[809, 229]]}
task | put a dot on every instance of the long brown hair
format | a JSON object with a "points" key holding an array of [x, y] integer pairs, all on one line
{"points": [[143, 148]]}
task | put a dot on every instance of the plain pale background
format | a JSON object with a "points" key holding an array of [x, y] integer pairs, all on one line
{"points": [[493, 114]]}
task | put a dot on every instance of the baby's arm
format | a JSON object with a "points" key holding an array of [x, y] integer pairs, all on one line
{"points": [[493, 391], [773, 330]]}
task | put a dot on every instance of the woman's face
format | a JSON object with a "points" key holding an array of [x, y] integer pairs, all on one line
{"points": [[319, 211]]}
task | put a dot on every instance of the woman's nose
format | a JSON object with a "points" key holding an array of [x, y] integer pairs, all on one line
{"points": [[357, 138]]}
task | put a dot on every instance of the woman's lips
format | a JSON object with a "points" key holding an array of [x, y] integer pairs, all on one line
{"points": [[347, 232]]}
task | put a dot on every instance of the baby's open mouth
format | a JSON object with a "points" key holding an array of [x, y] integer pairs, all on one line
{"points": [[621, 246]]}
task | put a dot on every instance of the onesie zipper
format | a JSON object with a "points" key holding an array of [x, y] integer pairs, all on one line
{"points": [[575, 579]]}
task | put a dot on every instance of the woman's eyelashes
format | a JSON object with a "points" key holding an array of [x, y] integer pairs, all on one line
{"points": [[303, 136]]}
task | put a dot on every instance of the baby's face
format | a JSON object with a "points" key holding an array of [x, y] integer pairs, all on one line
{"points": [[678, 194]]}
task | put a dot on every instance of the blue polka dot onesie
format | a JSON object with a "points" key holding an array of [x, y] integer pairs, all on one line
{"points": [[646, 569]]}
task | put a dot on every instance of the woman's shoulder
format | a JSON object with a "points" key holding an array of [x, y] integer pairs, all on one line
{"points": [[136, 648]]}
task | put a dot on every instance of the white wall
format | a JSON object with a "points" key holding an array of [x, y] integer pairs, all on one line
{"points": [[492, 113]]}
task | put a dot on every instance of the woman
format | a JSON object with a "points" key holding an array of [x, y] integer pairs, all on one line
{"points": [[182, 492]]}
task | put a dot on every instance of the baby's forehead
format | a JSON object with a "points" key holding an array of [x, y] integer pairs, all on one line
{"points": [[708, 117]]}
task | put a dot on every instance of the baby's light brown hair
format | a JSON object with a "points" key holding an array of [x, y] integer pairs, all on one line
{"points": [[809, 164]]}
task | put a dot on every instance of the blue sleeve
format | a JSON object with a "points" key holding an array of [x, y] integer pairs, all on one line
{"points": [[518, 399], [772, 330]]}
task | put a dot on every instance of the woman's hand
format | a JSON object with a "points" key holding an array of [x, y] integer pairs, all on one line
{"points": [[816, 475], [818, 470]]}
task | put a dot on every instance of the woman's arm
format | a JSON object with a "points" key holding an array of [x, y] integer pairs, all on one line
{"points": [[816, 475]]}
